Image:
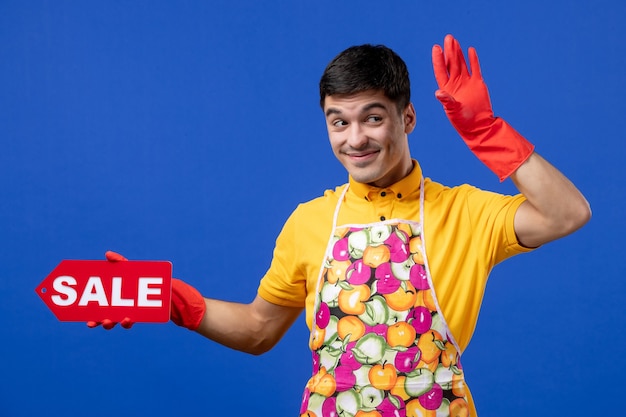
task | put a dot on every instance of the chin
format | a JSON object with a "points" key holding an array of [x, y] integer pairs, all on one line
{"points": [[364, 177]]}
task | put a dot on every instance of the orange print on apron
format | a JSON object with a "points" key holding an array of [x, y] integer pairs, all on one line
{"points": [[380, 344]]}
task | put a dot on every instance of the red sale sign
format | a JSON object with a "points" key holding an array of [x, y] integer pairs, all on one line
{"points": [[98, 290]]}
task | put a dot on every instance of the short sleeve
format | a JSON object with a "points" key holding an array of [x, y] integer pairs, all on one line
{"points": [[284, 283]]}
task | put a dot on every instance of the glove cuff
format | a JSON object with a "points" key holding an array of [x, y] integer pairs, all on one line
{"points": [[501, 148], [188, 307]]}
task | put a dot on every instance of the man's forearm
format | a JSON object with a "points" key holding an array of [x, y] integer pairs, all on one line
{"points": [[252, 328], [554, 206]]}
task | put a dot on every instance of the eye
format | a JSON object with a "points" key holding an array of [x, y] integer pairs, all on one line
{"points": [[374, 119], [339, 123]]}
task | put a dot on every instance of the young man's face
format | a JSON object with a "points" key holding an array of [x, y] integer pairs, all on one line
{"points": [[369, 136]]}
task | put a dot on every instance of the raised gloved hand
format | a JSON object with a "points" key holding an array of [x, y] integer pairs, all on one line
{"points": [[465, 99], [187, 305]]}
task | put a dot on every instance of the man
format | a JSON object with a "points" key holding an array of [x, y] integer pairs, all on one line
{"points": [[391, 268]]}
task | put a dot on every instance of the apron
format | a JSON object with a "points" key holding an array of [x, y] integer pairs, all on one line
{"points": [[380, 344]]}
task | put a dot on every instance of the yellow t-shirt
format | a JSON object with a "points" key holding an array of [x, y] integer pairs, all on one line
{"points": [[466, 232]]}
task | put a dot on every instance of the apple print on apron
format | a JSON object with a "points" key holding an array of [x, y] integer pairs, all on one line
{"points": [[380, 345]]}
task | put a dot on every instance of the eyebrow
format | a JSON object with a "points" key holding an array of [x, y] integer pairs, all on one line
{"points": [[366, 108]]}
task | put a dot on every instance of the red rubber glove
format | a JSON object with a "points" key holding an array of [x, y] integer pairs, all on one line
{"points": [[187, 305], [465, 99]]}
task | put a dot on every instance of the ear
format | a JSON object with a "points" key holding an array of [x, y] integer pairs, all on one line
{"points": [[409, 118]]}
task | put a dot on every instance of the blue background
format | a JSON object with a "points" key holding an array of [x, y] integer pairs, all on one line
{"points": [[189, 130]]}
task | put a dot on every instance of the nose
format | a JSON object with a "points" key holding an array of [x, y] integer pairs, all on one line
{"points": [[357, 138]]}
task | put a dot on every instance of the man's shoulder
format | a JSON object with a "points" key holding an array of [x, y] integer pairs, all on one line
{"points": [[434, 190], [465, 195], [322, 205], [328, 198]]}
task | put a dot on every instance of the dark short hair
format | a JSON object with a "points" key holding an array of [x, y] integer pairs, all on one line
{"points": [[367, 67]]}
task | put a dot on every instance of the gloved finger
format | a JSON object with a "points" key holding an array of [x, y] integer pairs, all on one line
{"points": [[108, 324], [114, 256], [460, 59], [451, 54], [474, 64], [448, 101], [127, 323], [439, 66]]}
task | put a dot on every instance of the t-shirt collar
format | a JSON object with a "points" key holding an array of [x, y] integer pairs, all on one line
{"points": [[405, 187]]}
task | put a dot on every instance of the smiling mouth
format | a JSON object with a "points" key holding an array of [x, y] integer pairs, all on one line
{"points": [[362, 159], [362, 154]]}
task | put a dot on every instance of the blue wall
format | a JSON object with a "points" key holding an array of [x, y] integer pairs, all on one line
{"points": [[187, 131]]}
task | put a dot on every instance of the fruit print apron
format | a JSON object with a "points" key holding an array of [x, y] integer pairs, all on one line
{"points": [[380, 344]]}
